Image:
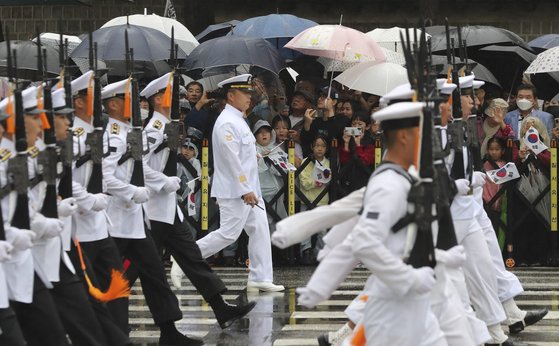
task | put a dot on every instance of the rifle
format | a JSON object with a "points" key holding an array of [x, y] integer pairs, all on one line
{"points": [[421, 195], [67, 145], [134, 138], [95, 138], [173, 129]]}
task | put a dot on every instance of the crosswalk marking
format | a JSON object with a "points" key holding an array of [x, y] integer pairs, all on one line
{"points": [[290, 324]]}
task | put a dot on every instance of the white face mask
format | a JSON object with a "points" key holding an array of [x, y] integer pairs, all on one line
{"points": [[524, 104], [144, 113]]}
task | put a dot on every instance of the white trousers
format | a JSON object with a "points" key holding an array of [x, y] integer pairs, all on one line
{"points": [[479, 272], [401, 321], [235, 216]]}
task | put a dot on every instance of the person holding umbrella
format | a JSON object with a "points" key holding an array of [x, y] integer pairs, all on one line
{"points": [[237, 187]]}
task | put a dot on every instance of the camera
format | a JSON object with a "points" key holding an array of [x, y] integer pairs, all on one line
{"points": [[353, 131]]}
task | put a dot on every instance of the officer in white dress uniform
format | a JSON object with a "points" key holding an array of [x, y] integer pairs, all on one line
{"points": [[166, 217], [127, 226], [236, 186]]}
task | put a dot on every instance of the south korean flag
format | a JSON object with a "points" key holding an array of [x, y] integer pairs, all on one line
{"points": [[506, 173], [533, 142]]}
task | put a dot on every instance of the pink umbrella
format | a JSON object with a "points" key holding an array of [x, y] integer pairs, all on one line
{"points": [[337, 42]]}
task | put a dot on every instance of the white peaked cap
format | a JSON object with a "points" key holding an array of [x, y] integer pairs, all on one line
{"points": [[156, 86], [81, 83], [29, 97], [243, 81], [444, 87], [400, 110], [114, 89], [59, 102], [401, 92]]}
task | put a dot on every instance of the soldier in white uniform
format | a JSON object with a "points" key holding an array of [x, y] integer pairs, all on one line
{"points": [[127, 226], [90, 222], [236, 186], [27, 282], [398, 308], [166, 216]]}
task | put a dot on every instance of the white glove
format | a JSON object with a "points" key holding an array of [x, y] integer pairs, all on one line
{"points": [[46, 227], [463, 186], [172, 184], [176, 274], [67, 207], [21, 239], [141, 195], [478, 179], [101, 202], [423, 280], [454, 257], [5, 251], [308, 298]]}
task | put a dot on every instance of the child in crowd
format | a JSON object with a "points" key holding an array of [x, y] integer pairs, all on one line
{"points": [[494, 160], [270, 178], [281, 126], [313, 180]]}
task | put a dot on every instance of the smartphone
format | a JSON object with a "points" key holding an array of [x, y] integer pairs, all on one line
{"points": [[556, 122], [353, 131]]}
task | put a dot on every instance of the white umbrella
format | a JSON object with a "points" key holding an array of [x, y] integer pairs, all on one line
{"points": [[374, 78], [53, 40], [183, 37], [545, 62], [390, 38]]}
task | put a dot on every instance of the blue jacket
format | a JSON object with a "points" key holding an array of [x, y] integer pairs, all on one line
{"points": [[512, 118]]}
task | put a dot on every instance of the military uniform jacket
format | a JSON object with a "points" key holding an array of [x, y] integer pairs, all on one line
{"points": [[87, 225], [125, 215], [234, 154], [19, 269], [374, 243], [161, 206]]}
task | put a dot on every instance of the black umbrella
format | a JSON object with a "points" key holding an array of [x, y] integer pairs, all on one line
{"points": [[26, 52], [507, 63], [232, 51], [547, 84], [216, 30], [481, 72], [477, 36], [151, 50]]}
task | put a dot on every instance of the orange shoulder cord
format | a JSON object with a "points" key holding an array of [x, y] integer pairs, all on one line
{"points": [[90, 96], [10, 122], [40, 105], [358, 338], [118, 288]]}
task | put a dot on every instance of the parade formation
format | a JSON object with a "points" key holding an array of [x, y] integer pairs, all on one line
{"points": [[99, 177]]}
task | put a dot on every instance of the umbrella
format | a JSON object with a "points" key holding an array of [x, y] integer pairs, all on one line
{"points": [[481, 72], [545, 42], [27, 60], [183, 37], [151, 50], [373, 77], [478, 36], [53, 40], [547, 61], [544, 73], [234, 50], [332, 65], [216, 30], [505, 62], [278, 29], [390, 38], [336, 42]]}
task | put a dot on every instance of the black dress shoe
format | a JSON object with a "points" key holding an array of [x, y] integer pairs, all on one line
{"points": [[232, 313], [531, 318], [323, 340], [509, 342]]}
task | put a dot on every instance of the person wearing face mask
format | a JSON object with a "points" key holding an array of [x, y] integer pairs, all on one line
{"points": [[527, 101]]}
